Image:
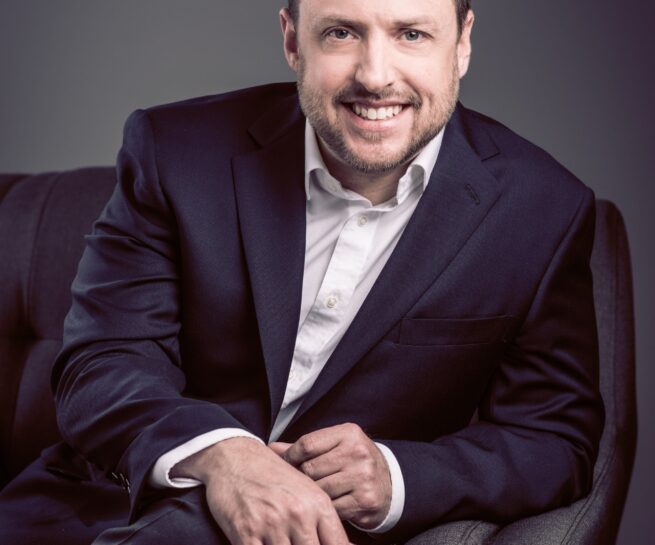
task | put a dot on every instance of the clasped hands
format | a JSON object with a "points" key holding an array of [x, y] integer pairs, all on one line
{"points": [[292, 494]]}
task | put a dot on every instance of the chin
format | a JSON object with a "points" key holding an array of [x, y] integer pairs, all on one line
{"points": [[377, 159]]}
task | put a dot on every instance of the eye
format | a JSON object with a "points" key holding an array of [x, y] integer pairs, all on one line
{"points": [[339, 33], [412, 35]]}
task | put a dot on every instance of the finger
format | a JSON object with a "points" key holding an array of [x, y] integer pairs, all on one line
{"points": [[346, 507], [276, 538], [304, 536], [278, 447], [366, 515], [331, 531], [237, 538], [325, 465], [314, 444], [336, 485]]}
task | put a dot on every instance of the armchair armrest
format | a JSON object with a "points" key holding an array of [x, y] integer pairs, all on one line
{"points": [[461, 532]]}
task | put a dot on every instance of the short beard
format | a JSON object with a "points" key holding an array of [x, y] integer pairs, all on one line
{"points": [[312, 106]]}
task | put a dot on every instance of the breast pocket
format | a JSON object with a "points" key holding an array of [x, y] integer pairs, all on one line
{"points": [[453, 331]]}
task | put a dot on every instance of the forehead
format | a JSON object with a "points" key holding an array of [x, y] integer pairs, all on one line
{"points": [[383, 11]]}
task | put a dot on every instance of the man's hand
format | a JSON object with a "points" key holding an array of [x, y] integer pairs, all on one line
{"points": [[257, 498], [349, 467]]}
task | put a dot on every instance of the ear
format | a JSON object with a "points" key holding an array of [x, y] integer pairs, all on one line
{"points": [[464, 45], [290, 39]]}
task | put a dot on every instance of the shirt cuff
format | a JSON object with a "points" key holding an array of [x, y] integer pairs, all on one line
{"points": [[397, 494], [160, 474]]}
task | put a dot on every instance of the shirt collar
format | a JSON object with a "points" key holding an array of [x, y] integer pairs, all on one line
{"points": [[421, 167]]}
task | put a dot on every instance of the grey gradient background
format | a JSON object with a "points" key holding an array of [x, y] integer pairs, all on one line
{"points": [[577, 78]]}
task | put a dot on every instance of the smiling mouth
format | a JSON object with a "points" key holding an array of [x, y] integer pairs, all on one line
{"points": [[372, 114]]}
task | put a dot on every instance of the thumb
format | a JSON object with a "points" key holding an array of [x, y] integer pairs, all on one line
{"points": [[279, 448]]}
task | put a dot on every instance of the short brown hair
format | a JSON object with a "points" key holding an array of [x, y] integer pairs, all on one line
{"points": [[463, 7]]}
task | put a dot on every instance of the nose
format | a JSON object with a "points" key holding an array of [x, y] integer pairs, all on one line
{"points": [[375, 70]]}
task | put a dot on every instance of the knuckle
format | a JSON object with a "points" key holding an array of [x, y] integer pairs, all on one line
{"points": [[368, 471], [322, 502], [302, 512], [246, 529], [364, 520], [273, 518], [368, 500], [360, 450], [303, 533], [307, 467], [297, 511], [305, 445], [352, 429]]}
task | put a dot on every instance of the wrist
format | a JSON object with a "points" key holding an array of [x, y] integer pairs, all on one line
{"points": [[207, 463]]}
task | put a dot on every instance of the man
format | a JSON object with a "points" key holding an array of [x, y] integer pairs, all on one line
{"points": [[315, 354]]}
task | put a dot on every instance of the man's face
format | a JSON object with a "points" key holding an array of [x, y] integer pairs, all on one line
{"points": [[377, 80]]}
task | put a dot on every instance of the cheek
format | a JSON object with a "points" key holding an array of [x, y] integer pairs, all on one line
{"points": [[436, 85], [333, 77], [426, 78], [431, 74], [329, 73]]}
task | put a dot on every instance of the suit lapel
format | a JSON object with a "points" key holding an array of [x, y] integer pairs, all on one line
{"points": [[458, 197], [269, 187]]}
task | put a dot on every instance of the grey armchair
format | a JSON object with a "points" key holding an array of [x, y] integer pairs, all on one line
{"points": [[42, 220], [595, 519]]}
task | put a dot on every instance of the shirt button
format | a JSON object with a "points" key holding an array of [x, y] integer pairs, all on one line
{"points": [[363, 220], [332, 301]]}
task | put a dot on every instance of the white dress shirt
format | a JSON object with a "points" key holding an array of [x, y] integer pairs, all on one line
{"points": [[348, 242]]}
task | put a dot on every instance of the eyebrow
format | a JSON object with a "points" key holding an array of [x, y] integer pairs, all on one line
{"points": [[335, 20], [415, 22]]}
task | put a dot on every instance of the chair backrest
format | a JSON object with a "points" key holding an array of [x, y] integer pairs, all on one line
{"points": [[613, 297], [42, 220], [595, 519]]}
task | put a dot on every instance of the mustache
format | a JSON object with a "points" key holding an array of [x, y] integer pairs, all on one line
{"points": [[357, 92]]}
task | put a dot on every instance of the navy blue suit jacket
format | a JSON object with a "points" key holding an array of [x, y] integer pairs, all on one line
{"points": [[474, 357]]}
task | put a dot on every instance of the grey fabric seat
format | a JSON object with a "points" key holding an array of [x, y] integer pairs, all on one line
{"points": [[42, 222]]}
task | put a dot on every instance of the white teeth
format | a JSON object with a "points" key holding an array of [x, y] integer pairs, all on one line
{"points": [[376, 113]]}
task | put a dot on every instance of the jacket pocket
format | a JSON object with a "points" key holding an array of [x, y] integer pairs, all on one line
{"points": [[453, 331]]}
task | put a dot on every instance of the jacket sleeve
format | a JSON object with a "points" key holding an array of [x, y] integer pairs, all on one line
{"points": [[541, 418], [117, 380]]}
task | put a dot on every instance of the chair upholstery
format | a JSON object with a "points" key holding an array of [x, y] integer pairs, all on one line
{"points": [[42, 220]]}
